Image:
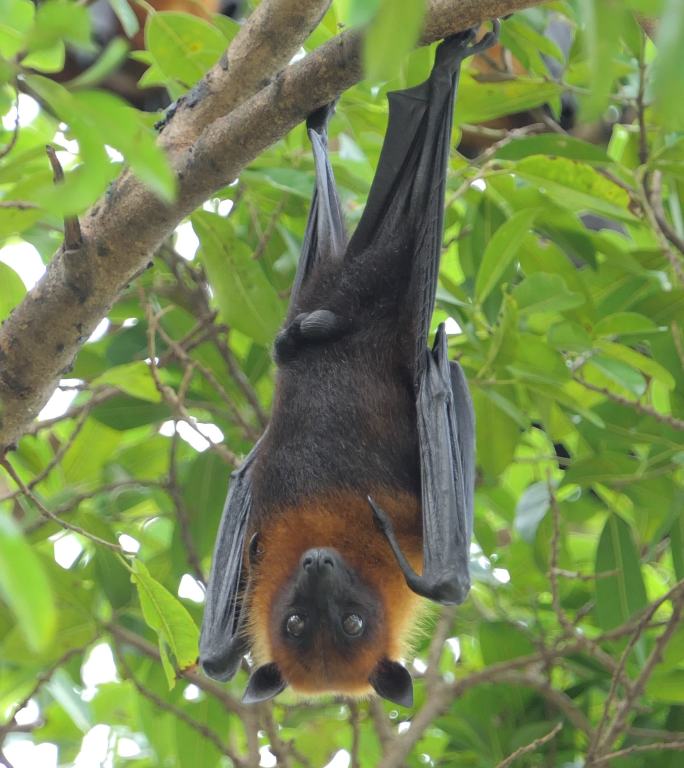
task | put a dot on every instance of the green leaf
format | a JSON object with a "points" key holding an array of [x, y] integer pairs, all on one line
{"points": [[667, 686], [25, 588], [494, 420], [59, 21], [619, 596], [108, 62], [110, 570], [536, 362], [133, 378], [604, 22], [531, 510], [16, 20], [123, 412], [669, 158], [604, 468], [89, 453], [98, 118], [542, 292], [204, 492], [555, 144], [391, 37], [624, 323], [575, 185], [504, 342], [361, 11], [112, 578], [503, 641], [47, 59], [646, 365], [569, 336], [169, 619], [125, 129], [246, 299], [677, 544], [501, 250], [519, 36], [481, 101], [184, 47], [619, 372], [126, 16], [13, 290], [669, 64]]}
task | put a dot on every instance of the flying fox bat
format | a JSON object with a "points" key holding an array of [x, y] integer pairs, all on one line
{"points": [[358, 497]]}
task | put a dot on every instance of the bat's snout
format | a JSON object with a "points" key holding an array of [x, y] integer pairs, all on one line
{"points": [[319, 561]]}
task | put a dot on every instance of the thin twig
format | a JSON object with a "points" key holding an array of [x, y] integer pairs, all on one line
{"points": [[124, 635], [204, 731], [641, 106], [647, 410], [41, 680], [98, 396], [73, 239], [562, 617], [51, 515], [656, 199], [57, 458], [660, 746], [170, 397], [626, 704], [18, 205], [647, 201], [439, 638], [383, 729], [637, 627], [15, 131], [186, 360], [355, 721], [270, 227], [531, 747], [182, 513]]}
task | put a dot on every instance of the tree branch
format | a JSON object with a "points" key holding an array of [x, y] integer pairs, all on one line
{"points": [[222, 125]]}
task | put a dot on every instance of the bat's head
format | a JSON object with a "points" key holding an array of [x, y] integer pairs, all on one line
{"points": [[333, 620]]}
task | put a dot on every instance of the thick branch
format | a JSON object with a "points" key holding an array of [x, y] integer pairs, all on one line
{"points": [[39, 341]]}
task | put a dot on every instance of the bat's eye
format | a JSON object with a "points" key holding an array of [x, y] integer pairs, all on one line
{"points": [[256, 549], [295, 625], [352, 624]]}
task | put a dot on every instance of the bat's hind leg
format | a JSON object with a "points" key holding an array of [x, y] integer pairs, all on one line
{"points": [[315, 327]]}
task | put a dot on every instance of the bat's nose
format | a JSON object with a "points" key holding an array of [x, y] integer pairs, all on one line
{"points": [[321, 560]]}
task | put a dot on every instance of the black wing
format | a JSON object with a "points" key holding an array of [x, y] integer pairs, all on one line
{"points": [[410, 184], [325, 235], [223, 641]]}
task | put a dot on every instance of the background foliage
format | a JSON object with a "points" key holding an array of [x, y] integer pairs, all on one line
{"points": [[562, 275]]}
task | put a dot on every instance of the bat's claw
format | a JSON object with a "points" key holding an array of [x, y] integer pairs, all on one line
{"points": [[460, 47], [487, 41], [381, 518]]}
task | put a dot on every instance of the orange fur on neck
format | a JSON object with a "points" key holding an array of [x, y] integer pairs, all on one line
{"points": [[344, 521]]}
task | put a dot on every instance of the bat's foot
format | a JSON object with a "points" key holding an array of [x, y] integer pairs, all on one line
{"points": [[450, 588], [316, 327], [460, 45]]}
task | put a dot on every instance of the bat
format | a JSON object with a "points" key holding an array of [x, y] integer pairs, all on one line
{"points": [[358, 497]]}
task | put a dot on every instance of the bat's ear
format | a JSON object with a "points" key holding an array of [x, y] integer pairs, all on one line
{"points": [[393, 682], [264, 683]]}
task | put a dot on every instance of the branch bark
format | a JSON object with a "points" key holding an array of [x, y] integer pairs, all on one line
{"points": [[231, 116]]}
